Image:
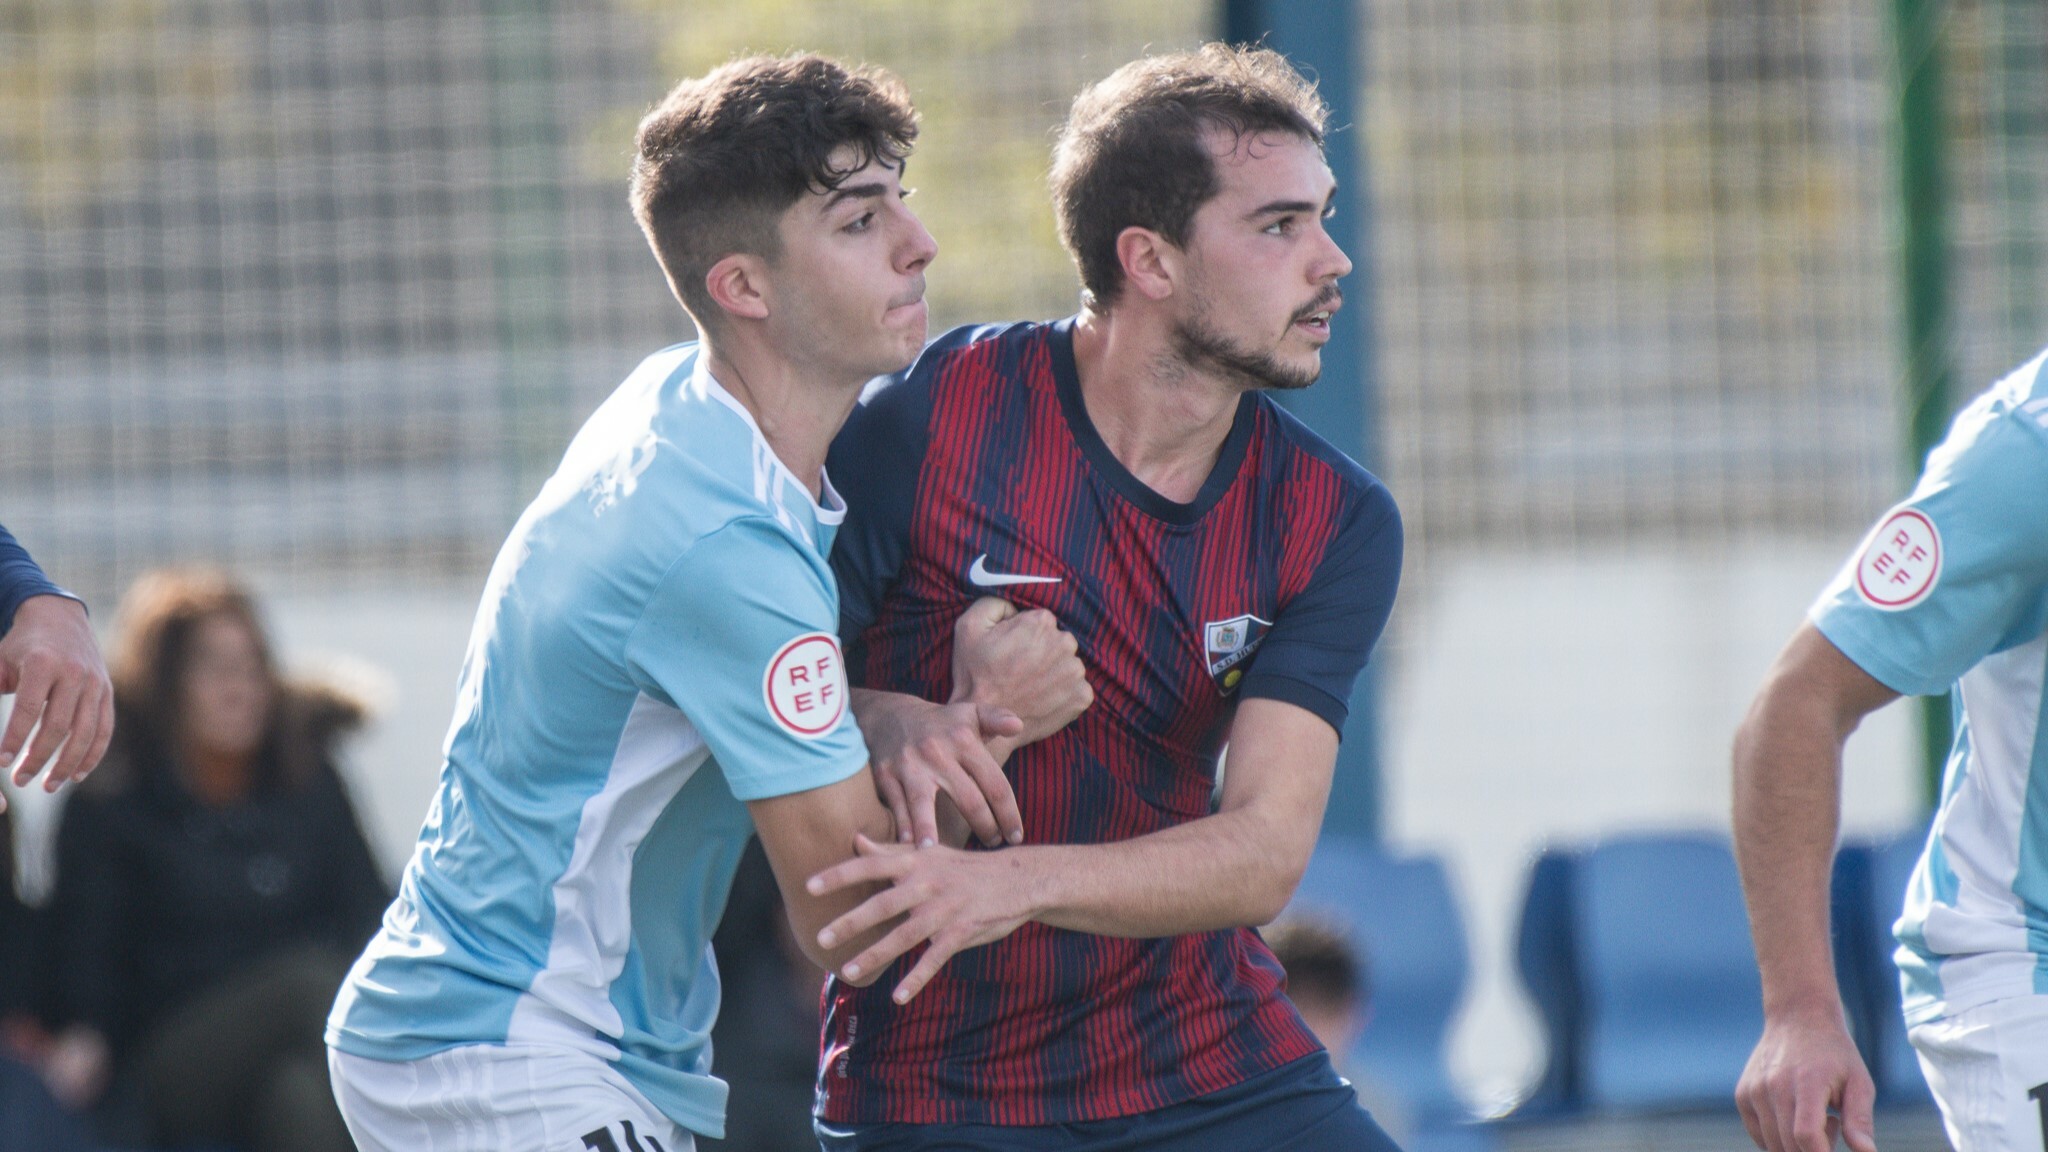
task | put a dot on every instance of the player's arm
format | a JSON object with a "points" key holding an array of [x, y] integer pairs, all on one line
{"points": [[1236, 867], [1016, 680], [1788, 768], [736, 636], [1934, 589], [804, 832], [51, 664]]}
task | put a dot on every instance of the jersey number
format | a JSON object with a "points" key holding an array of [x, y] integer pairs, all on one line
{"points": [[2039, 1095], [602, 1140]]}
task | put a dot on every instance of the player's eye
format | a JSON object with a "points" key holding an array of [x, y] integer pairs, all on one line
{"points": [[1282, 227], [1329, 210], [862, 224], [906, 194]]}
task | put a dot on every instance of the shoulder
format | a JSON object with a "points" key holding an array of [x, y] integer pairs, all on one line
{"points": [[2005, 428], [1306, 457], [746, 559], [982, 347]]}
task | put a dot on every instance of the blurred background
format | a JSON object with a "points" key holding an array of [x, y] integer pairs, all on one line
{"points": [[1662, 299]]}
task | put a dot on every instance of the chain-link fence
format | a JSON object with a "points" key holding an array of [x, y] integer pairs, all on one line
{"points": [[321, 290]]}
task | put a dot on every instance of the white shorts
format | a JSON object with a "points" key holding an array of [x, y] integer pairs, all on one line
{"points": [[498, 1098], [1989, 1071]]}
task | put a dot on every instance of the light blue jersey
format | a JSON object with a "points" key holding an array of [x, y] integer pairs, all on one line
{"points": [[655, 646], [1951, 588]]}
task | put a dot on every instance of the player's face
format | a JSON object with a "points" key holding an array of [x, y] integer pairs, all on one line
{"points": [[1262, 271], [224, 691], [849, 282]]}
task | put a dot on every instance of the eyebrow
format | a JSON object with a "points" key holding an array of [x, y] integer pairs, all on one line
{"points": [[869, 191], [1283, 207]]}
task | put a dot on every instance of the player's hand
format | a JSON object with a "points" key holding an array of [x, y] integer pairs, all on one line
{"points": [[1806, 1083], [955, 900], [51, 663], [932, 757], [1022, 661]]}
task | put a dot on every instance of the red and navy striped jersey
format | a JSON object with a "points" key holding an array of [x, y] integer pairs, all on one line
{"points": [[977, 464]]}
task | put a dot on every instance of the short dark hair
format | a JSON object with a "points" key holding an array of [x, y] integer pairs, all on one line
{"points": [[1132, 151], [722, 156], [1320, 962]]}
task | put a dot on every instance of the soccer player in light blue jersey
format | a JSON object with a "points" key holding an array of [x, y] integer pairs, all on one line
{"points": [[1950, 589], [654, 674]]}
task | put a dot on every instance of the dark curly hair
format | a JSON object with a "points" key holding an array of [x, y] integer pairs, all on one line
{"points": [[723, 156], [1132, 153]]}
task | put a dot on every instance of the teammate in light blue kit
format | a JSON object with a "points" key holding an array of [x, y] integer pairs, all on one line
{"points": [[654, 661], [1950, 589]]}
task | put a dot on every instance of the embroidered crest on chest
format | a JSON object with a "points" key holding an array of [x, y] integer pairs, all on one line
{"points": [[1227, 644]]}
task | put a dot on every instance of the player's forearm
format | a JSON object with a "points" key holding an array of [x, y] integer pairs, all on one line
{"points": [[1229, 870], [1787, 776], [806, 831]]}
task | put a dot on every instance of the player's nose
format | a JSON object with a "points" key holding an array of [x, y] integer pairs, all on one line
{"points": [[918, 248], [1331, 262]]}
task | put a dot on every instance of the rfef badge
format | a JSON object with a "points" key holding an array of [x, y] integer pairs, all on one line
{"points": [[1227, 644]]}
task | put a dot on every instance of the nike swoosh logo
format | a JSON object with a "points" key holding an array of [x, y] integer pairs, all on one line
{"points": [[981, 577]]}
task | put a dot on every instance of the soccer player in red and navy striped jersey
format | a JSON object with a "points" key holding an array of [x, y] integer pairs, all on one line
{"points": [[1225, 573]]}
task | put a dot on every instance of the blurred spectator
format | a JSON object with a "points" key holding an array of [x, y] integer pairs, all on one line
{"points": [[213, 885], [765, 1044], [1330, 984]]}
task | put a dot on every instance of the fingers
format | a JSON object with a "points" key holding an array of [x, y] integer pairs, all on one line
{"points": [[866, 916], [984, 614], [935, 956], [862, 869], [924, 815], [31, 700], [58, 716], [997, 722], [88, 738], [1859, 1097], [992, 789], [899, 807], [1809, 1122]]}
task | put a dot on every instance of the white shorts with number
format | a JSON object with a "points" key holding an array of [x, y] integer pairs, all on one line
{"points": [[1988, 1067], [498, 1098]]}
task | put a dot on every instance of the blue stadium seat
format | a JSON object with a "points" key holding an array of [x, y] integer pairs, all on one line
{"points": [[1667, 975], [1400, 911], [1547, 959]]}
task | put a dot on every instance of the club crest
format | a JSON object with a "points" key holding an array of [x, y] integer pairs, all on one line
{"points": [[1227, 644]]}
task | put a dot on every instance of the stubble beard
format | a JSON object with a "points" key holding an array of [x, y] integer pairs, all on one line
{"points": [[1201, 347]]}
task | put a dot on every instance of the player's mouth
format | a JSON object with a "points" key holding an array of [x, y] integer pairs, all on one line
{"points": [[1314, 320], [906, 309]]}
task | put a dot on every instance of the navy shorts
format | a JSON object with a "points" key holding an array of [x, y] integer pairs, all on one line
{"points": [[1300, 1107]]}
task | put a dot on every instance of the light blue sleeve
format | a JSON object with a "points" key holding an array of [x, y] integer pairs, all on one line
{"points": [[1960, 569], [741, 636]]}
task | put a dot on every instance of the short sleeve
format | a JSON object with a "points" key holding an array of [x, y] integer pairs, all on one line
{"points": [[1323, 637], [1956, 572], [875, 463], [20, 579], [739, 636]]}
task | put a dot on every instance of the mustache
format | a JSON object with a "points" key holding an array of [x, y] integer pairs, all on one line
{"points": [[1331, 298]]}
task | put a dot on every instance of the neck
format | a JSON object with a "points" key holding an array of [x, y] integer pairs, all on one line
{"points": [[217, 778], [798, 408], [1163, 420]]}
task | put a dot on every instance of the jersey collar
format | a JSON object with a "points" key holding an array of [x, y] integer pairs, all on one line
{"points": [[832, 509], [1067, 381]]}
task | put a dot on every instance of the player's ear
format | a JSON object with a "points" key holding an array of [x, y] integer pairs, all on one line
{"points": [[1150, 262], [738, 283]]}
